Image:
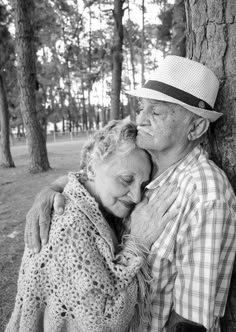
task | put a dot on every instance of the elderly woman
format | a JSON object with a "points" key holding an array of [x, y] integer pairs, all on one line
{"points": [[82, 280]]}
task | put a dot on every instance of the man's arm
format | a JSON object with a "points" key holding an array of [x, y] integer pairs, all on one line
{"points": [[38, 218]]}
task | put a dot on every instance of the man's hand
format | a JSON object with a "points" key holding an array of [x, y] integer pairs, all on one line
{"points": [[38, 218], [151, 216]]}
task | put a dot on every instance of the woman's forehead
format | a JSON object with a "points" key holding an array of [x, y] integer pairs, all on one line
{"points": [[135, 158]]}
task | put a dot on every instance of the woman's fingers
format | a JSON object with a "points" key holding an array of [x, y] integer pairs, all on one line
{"points": [[164, 192], [169, 201], [172, 212], [152, 215], [162, 200]]}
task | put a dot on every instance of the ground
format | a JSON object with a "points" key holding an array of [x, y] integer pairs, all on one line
{"points": [[17, 192]]}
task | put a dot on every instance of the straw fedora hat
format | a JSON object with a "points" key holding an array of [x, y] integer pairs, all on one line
{"points": [[185, 82]]}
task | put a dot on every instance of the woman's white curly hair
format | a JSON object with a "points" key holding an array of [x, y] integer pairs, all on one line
{"points": [[116, 136]]}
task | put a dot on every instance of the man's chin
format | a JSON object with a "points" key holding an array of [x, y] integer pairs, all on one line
{"points": [[146, 144], [140, 140]]}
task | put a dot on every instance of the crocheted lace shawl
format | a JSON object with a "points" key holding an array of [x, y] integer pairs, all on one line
{"points": [[76, 283]]}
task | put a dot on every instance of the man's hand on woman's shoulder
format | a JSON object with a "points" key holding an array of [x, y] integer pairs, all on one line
{"points": [[38, 219]]}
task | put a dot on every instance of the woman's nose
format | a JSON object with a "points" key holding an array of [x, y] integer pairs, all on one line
{"points": [[135, 194]]}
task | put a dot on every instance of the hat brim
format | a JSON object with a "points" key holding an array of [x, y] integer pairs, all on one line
{"points": [[156, 95]]}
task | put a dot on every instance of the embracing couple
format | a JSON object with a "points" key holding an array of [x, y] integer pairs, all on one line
{"points": [[142, 236]]}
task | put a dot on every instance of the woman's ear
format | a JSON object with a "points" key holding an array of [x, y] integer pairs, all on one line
{"points": [[90, 171], [198, 128]]}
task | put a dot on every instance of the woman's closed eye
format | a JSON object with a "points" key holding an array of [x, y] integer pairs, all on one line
{"points": [[126, 180]]}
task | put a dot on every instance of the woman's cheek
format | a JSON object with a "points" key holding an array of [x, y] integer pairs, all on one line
{"points": [[109, 200]]}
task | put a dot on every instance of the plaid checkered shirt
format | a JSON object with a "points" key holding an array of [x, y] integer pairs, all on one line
{"points": [[192, 260]]}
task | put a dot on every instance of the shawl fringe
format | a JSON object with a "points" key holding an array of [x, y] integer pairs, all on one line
{"points": [[143, 314]]}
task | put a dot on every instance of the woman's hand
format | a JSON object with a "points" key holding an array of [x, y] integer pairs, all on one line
{"points": [[150, 217], [38, 219]]}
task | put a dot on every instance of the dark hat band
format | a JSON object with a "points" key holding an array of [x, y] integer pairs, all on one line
{"points": [[178, 94]]}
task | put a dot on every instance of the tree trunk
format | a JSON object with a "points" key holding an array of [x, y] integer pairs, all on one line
{"points": [[178, 42], [211, 41], [142, 44], [90, 115], [84, 114], [27, 83], [117, 59], [133, 101], [6, 158]]}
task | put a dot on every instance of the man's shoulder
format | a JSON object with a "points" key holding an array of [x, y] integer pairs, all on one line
{"points": [[202, 168], [206, 169], [206, 179]]}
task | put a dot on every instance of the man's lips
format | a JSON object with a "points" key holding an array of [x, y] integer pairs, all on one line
{"points": [[144, 129]]}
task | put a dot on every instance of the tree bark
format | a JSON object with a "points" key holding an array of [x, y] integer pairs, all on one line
{"points": [[6, 158], [211, 40], [117, 59], [26, 68]]}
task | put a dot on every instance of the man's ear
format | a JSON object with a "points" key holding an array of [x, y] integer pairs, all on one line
{"points": [[198, 128]]}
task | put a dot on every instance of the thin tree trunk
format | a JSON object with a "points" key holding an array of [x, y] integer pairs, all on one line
{"points": [[142, 44], [6, 158], [103, 116], [27, 83], [178, 42], [90, 115], [211, 41], [133, 102], [117, 59], [63, 125], [84, 114]]}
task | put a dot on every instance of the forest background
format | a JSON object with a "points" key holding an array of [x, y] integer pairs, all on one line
{"points": [[68, 63]]}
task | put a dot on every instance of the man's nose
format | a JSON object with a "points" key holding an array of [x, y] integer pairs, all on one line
{"points": [[142, 117]]}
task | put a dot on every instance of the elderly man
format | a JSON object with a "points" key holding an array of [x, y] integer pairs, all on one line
{"points": [[192, 260]]}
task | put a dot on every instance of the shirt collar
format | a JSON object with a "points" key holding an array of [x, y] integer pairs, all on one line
{"points": [[179, 165]]}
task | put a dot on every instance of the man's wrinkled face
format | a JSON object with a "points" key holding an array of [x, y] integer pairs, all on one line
{"points": [[162, 125]]}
